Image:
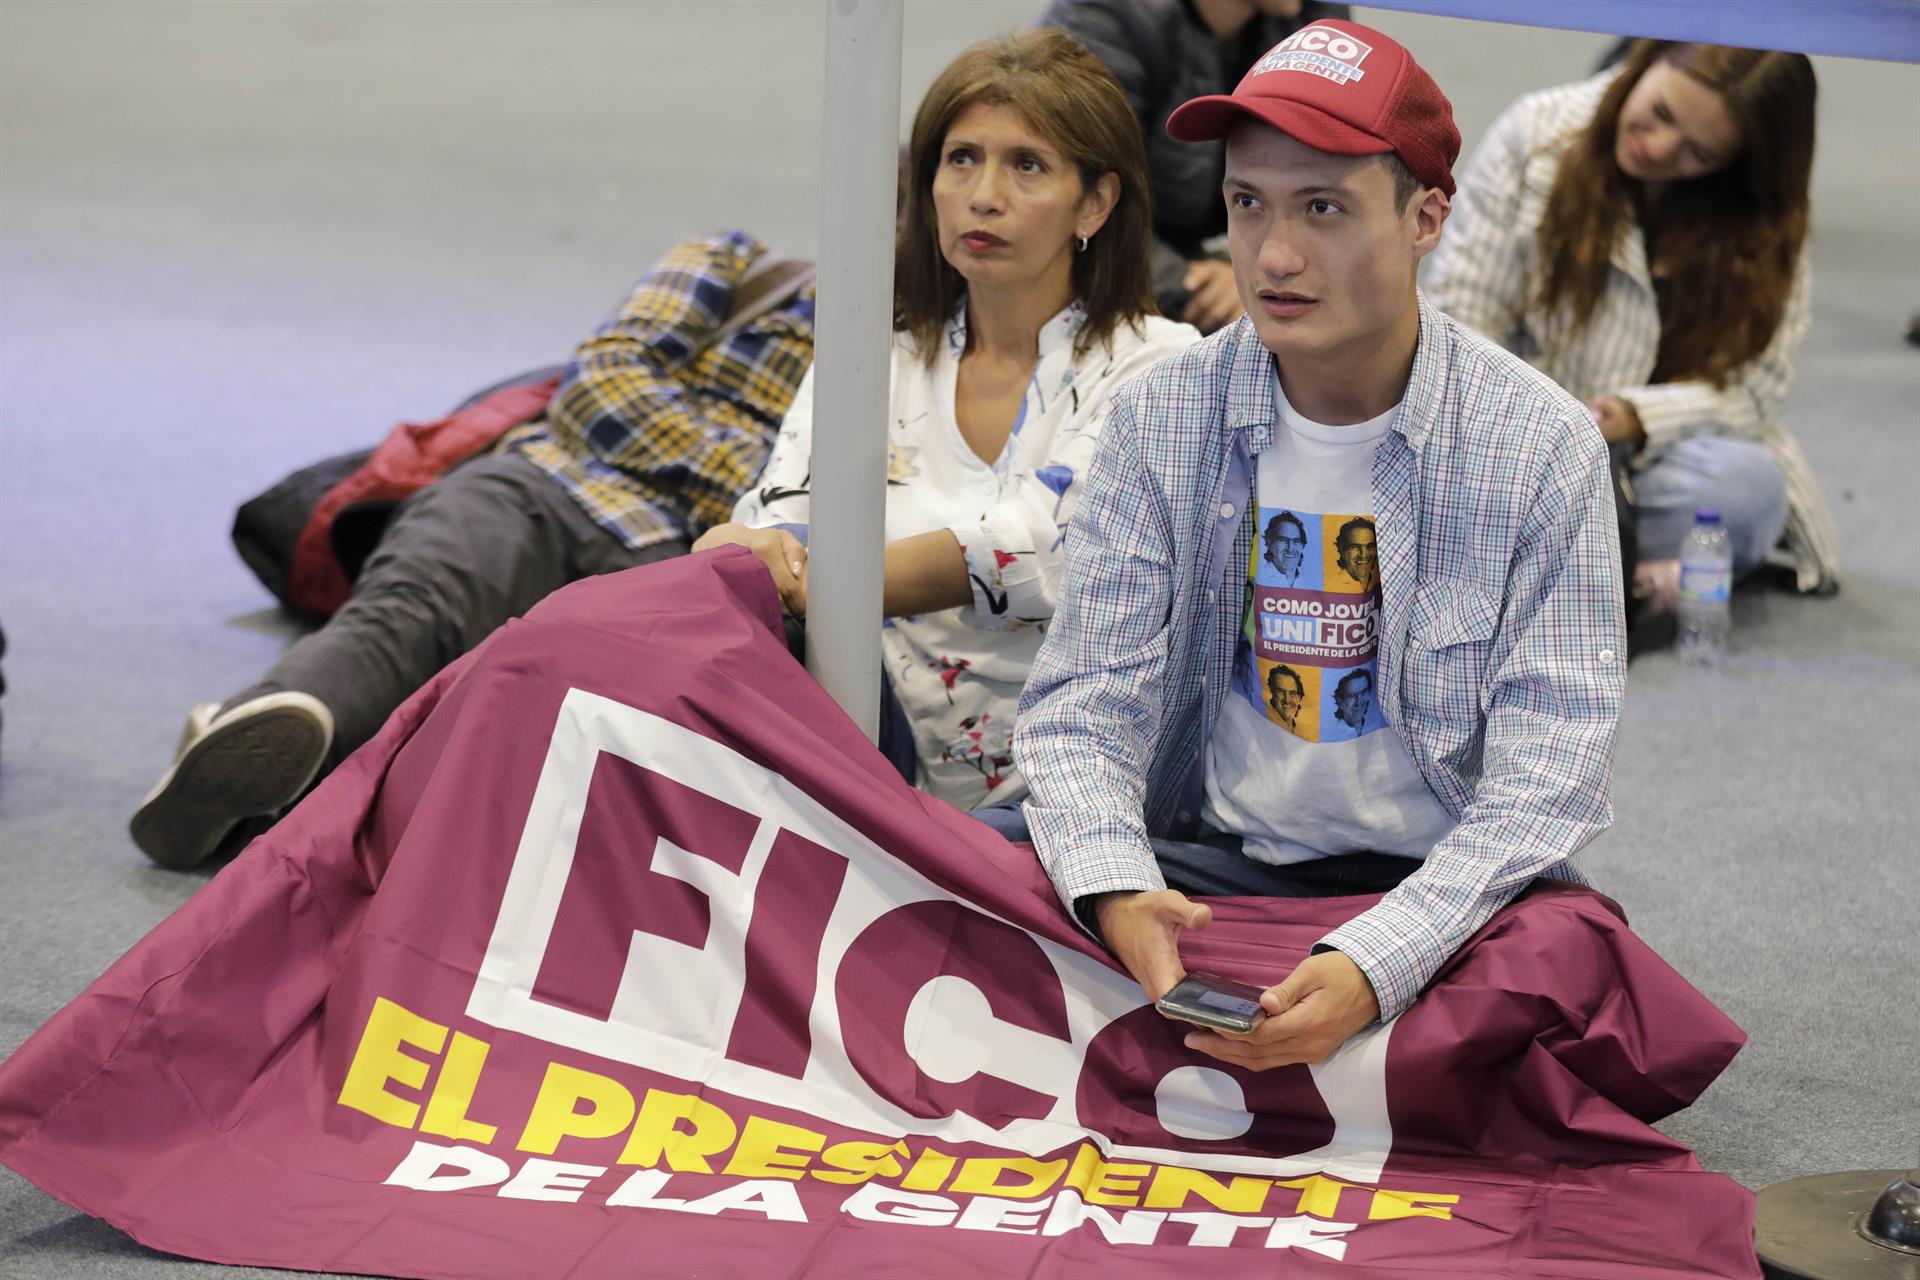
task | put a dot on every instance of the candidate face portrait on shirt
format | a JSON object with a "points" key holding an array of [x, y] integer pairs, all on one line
{"points": [[1356, 553], [1285, 694], [1286, 544], [1353, 699]]}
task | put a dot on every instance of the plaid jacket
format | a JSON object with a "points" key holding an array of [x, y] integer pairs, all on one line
{"points": [[1502, 654], [654, 431]]}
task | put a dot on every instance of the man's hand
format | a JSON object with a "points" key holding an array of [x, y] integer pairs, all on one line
{"points": [[1215, 300], [1619, 421], [1316, 1010], [780, 551], [1143, 930]]}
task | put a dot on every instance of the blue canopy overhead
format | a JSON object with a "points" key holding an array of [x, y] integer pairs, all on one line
{"points": [[1888, 30]]}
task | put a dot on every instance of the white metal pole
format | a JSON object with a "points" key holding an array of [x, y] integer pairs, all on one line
{"points": [[853, 331]]}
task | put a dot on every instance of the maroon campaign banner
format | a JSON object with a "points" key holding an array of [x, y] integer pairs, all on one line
{"points": [[620, 952]]}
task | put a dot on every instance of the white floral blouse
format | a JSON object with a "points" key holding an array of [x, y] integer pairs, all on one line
{"points": [[958, 672]]}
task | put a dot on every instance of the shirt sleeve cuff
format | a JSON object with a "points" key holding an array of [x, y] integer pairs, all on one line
{"points": [[1081, 876], [1396, 948], [1007, 587], [1668, 411]]}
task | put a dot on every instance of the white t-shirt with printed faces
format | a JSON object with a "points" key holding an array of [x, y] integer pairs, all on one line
{"points": [[1300, 763]]}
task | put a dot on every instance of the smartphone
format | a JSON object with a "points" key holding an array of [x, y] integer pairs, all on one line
{"points": [[1208, 1000]]}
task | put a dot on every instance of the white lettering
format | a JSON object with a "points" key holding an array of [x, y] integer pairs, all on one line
{"points": [[1294, 631], [1135, 1226], [642, 1191], [1314, 1236], [773, 1197], [1318, 39], [554, 1180], [1203, 1103], [1216, 1230], [421, 1170], [875, 1203], [990, 1213], [1320, 51]]}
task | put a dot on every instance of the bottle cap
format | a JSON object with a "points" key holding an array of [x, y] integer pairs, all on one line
{"points": [[1707, 515]]}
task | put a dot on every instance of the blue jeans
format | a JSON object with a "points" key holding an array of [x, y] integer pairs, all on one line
{"points": [[1738, 477], [1215, 867]]}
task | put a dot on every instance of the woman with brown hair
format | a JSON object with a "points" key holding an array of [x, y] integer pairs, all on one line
{"points": [[1022, 299], [1641, 237]]}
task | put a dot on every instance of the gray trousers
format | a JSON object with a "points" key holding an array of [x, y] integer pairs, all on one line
{"points": [[459, 558]]}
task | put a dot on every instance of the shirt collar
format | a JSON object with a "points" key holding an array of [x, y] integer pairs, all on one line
{"points": [[1251, 403], [1054, 334], [1427, 384], [1630, 254], [1253, 407]]}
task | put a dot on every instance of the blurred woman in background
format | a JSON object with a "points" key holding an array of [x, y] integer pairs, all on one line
{"points": [[1641, 237]]}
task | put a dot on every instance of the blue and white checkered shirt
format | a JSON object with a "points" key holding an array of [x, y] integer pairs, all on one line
{"points": [[1502, 654]]}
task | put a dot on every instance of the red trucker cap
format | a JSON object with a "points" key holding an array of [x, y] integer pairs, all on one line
{"points": [[1338, 87]]}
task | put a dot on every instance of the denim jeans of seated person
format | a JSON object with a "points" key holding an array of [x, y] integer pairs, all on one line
{"points": [[1737, 478]]}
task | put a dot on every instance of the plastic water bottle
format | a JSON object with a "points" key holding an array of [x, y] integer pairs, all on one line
{"points": [[1706, 590]]}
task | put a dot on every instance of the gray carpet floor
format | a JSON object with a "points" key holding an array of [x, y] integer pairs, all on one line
{"points": [[235, 237]]}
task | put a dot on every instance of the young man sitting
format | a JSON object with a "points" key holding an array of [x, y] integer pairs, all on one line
{"points": [[1461, 571]]}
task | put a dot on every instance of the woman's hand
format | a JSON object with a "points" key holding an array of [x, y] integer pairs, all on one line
{"points": [[782, 553], [1619, 422]]}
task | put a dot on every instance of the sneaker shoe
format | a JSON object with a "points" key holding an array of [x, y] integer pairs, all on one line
{"points": [[255, 758]]}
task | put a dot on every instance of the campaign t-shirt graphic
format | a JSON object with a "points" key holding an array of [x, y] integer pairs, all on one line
{"points": [[1313, 622], [1297, 765]]}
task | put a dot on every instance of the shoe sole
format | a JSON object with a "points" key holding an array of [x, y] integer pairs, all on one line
{"points": [[255, 765]]}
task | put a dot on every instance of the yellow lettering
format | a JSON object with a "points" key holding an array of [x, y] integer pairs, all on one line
{"points": [[769, 1149], [1086, 1162], [378, 1059], [1319, 1194], [1172, 1185], [929, 1171], [453, 1093], [1101, 1183], [556, 1109], [1410, 1204], [860, 1161], [657, 1135], [981, 1177]]}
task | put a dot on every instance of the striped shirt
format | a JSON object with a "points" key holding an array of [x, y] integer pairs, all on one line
{"points": [[1501, 650], [1486, 274], [655, 430]]}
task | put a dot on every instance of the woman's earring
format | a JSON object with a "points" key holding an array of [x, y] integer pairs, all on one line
{"points": [[1083, 244]]}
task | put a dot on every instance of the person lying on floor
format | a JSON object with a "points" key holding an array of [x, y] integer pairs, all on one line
{"points": [[654, 432], [1641, 237], [1450, 632], [1021, 302]]}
